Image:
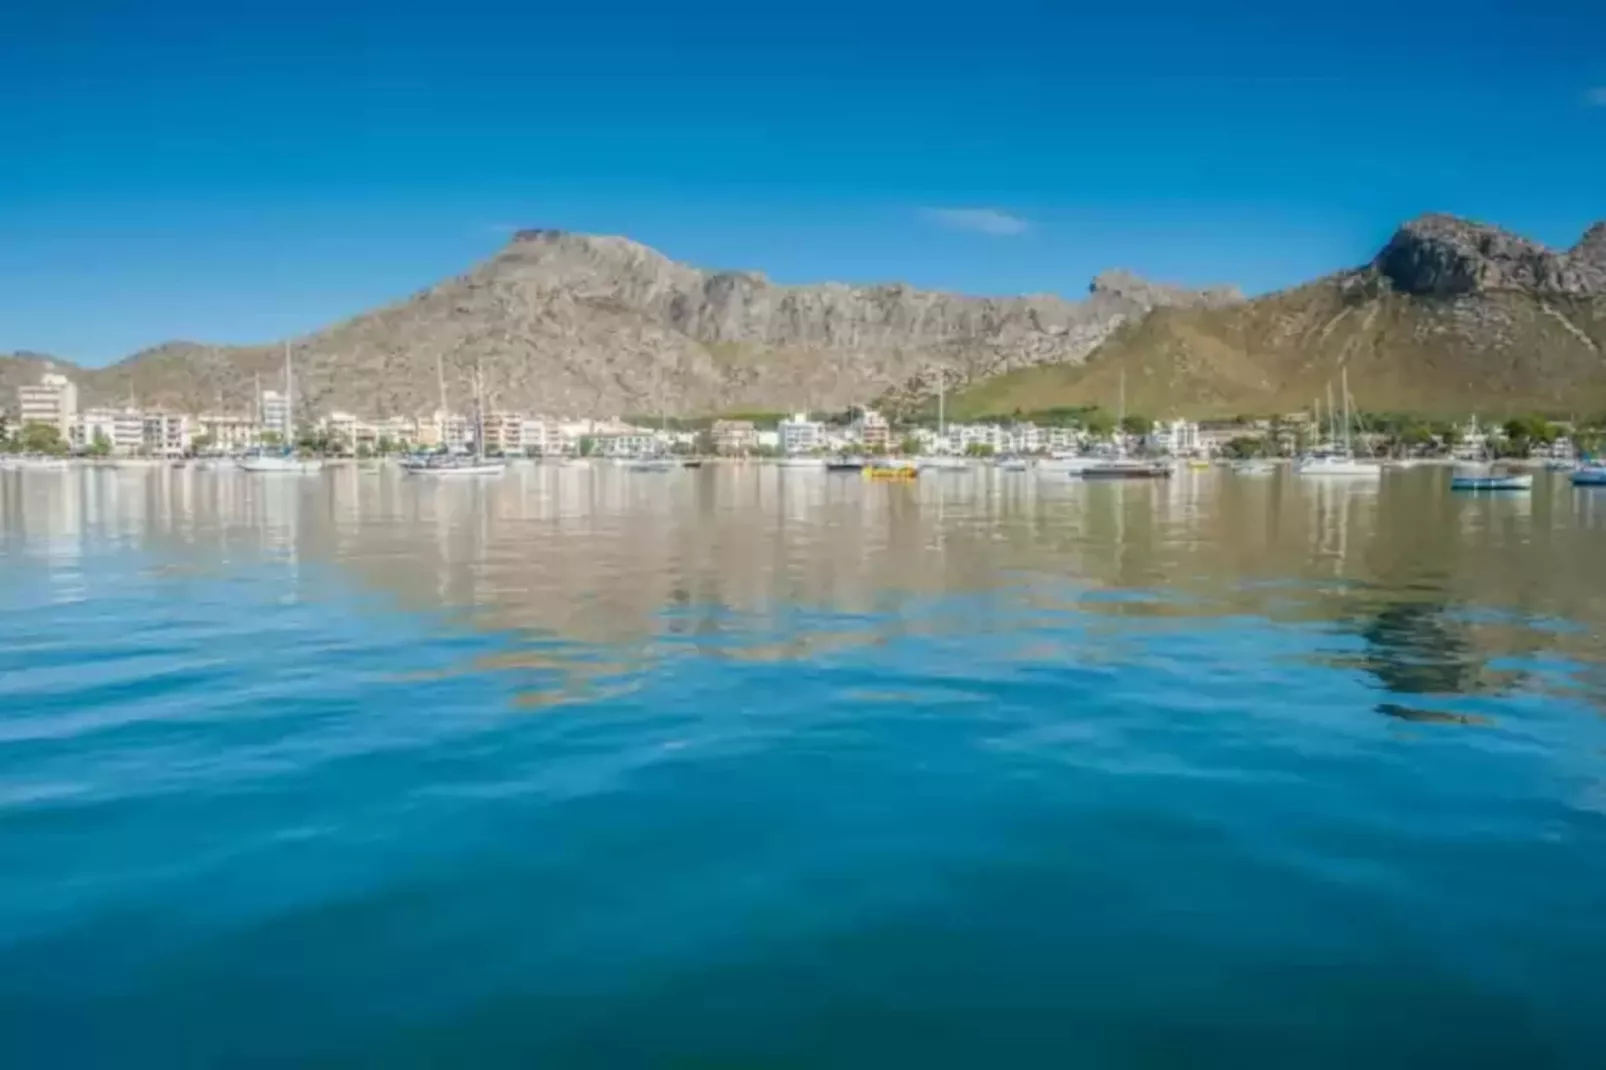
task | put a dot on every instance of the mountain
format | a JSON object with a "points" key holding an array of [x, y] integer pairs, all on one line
{"points": [[21, 368], [1450, 317], [572, 323]]}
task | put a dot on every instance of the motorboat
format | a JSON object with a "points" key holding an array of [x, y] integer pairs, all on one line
{"points": [[1590, 475], [1070, 463], [652, 464], [443, 464], [894, 469], [942, 462], [287, 463], [1127, 468], [1013, 464], [800, 460], [845, 464], [1486, 478], [1255, 468]]}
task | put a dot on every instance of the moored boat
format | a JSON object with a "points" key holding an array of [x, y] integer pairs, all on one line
{"points": [[893, 470], [1489, 479], [1590, 475], [1128, 468]]}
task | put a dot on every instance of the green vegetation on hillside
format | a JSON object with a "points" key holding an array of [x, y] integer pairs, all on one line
{"points": [[1496, 354]]}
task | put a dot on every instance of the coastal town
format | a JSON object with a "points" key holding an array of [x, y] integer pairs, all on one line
{"points": [[46, 418]]}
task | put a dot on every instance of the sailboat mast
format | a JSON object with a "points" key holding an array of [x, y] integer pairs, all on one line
{"points": [[1332, 417], [479, 411], [289, 398], [1344, 373], [942, 382], [1120, 417]]}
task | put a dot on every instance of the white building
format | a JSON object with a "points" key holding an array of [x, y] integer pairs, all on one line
{"points": [[633, 442], [275, 409], [53, 401], [548, 437], [871, 430], [227, 432], [1177, 437], [348, 430], [799, 434], [166, 434], [504, 433], [123, 430], [398, 430], [453, 431]]}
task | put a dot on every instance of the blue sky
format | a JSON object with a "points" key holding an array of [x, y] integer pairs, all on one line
{"points": [[238, 172]]}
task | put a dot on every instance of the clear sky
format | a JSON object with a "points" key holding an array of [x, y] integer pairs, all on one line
{"points": [[238, 171]]}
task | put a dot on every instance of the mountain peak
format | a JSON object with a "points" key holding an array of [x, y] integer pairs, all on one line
{"points": [[1119, 282], [1438, 255], [1592, 246]]}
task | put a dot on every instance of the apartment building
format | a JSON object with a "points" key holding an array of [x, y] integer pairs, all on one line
{"points": [[799, 434], [167, 434], [227, 432], [275, 409], [871, 429], [53, 400], [504, 433], [123, 431], [734, 436]]}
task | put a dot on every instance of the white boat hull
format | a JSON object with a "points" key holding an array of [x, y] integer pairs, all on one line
{"points": [[447, 471], [1339, 466], [281, 465], [1067, 464]]}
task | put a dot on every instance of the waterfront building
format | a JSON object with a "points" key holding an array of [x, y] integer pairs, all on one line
{"points": [[166, 434], [799, 434], [53, 401], [734, 436], [1176, 437], [504, 433], [123, 431], [275, 410], [871, 430], [227, 432]]}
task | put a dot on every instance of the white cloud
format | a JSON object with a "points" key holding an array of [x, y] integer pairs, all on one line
{"points": [[978, 220], [1597, 96]]}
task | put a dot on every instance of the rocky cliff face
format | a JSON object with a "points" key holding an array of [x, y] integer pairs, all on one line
{"points": [[1442, 256], [575, 323]]}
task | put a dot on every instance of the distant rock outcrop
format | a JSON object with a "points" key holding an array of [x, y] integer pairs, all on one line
{"points": [[1442, 256]]}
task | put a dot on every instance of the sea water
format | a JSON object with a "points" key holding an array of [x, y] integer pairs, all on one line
{"points": [[747, 767]]}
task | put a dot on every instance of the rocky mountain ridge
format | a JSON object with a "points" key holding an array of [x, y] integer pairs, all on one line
{"points": [[1450, 317], [575, 323]]}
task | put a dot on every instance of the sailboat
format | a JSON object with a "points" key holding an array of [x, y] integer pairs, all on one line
{"points": [[445, 464], [1121, 466], [284, 460], [942, 462], [1339, 459]]}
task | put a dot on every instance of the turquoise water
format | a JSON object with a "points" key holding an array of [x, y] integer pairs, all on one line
{"points": [[772, 768]]}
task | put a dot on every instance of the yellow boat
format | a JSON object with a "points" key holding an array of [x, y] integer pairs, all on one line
{"points": [[892, 473], [1198, 465]]}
